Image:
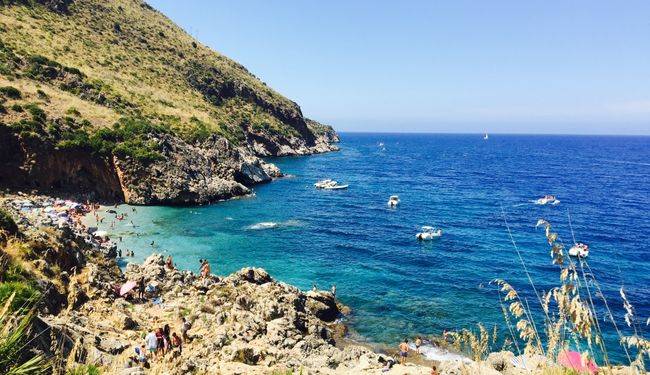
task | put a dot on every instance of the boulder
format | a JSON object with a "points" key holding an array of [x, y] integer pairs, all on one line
{"points": [[110, 345], [323, 305], [253, 275]]}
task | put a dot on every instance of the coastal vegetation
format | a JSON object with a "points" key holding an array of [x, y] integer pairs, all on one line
{"points": [[14, 327], [124, 59], [103, 91], [569, 319]]}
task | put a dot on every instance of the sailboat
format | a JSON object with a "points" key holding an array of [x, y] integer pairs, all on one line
{"points": [[485, 136]]}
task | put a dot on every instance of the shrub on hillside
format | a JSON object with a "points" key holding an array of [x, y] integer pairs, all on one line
{"points": [[7, 223], [11, 92], [37, 113], [127, 138]]}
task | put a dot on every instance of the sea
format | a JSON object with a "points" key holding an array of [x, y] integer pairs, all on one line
{"points": [[479, 192]]}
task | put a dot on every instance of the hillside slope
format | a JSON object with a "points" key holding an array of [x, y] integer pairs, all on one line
{"points": [[114, 101]]}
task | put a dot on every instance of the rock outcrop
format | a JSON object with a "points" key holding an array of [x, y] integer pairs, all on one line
{"points": [[194, 123]]}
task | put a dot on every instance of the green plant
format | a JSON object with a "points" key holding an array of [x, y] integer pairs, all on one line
{"points": [[42, 94], [72, 111], [10, 92], [14, 329], [84, 370], [17, 107], [7, 223], [24, 294], [37, 113]]}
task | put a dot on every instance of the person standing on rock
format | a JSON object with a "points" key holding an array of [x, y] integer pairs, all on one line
{"points": [[141, 287], [185, 329], [167, 338], [403, 351], [418, 343], [160, 342], [177, 344], [152, 343], [169, 263], [205, 269]]}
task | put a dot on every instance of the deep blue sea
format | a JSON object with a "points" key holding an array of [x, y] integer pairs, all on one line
{"points": [[398, 287]]}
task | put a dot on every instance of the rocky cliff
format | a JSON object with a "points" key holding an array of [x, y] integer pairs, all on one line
{"points": [[112, 101]]}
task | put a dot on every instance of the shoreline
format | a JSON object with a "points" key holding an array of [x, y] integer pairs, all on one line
{"points": [[253, 323], [33, 211], [342, 340]]}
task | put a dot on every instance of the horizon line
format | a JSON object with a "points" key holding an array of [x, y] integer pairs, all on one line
{"points": [[489, 133]]}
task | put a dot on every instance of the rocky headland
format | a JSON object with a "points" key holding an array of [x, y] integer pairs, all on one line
{"points": [[113, 102]]}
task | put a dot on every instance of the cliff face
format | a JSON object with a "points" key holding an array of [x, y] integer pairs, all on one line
{"points": [[36, 165], [114, 101]]}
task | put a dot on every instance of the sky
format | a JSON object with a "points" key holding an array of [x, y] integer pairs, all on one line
{"points": [[510, 66]]}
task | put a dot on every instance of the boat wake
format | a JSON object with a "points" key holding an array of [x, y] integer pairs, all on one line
{"points": [[274, 224]]}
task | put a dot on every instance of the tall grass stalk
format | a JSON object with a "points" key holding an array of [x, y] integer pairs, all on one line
{"points": [[575, 318]]}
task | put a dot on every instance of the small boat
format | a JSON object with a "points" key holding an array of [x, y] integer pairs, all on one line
{"points": [[548, 199], [579, 250], [485, 136], [393, 201], [323, 183], [329, 184], [335, 186], [381, 144], [428, 233]]}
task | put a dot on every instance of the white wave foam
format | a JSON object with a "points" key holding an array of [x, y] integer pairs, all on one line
{"points": [[263, 225], [273, 224], [434, 353]]}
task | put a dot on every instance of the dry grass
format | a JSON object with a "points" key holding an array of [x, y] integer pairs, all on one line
{"points": [[569, 313], [143, 57], [57, 104]]}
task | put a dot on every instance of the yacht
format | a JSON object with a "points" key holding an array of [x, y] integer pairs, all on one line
{"points": [[393, 201]]}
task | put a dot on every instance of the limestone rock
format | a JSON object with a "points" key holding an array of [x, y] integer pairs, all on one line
{"points": [[323, 305]]}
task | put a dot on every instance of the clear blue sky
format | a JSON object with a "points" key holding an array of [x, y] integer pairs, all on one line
{"points": [[578, 66]]}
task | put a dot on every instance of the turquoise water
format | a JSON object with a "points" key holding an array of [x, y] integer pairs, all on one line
{"points": [[395, 285]]}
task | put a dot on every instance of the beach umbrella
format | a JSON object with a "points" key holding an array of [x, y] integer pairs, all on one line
{"points": [[574, 360], [127, 287]]}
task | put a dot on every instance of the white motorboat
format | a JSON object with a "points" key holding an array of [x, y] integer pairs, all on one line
{"points": [[428, 233], [393, 201], [335, 186], [548, 199], [329, 184], [323, 183], [579, 250], [485, 136]]}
